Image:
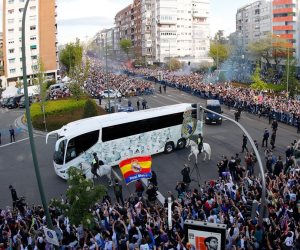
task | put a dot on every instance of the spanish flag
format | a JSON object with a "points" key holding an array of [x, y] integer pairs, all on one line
{"points": [[136, 168]]}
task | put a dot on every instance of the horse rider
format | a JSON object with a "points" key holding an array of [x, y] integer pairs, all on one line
{"points": [[200, 142]]}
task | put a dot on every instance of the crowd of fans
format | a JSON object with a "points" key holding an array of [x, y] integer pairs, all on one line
{"points": [[280, 107], [140, 222]]}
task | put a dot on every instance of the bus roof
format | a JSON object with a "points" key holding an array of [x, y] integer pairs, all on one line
{"points": [[90, 124]]}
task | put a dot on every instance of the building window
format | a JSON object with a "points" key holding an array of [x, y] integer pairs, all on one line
{"points": [[33, 8], [11, 60], [10, 11], [32, 27], [12, 70], [11, 42], [32, 38], [10, 30], [21, 10], [33, 57], [34, 67], [11, 1], [10, 51], [32, 46], [10, 21]]}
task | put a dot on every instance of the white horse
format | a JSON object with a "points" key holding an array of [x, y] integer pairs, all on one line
{"points": [[103, 170], [195, 151]]}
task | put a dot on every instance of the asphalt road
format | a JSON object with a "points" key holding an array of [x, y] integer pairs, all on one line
{"points": [[17, 168]]}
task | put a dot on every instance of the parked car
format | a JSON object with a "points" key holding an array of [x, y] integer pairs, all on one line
{"points": [[121, 108], [14, 102], [112, 94], [22, 101]]}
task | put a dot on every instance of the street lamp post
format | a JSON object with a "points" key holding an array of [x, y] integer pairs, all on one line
{"points": [[28, 118], [287, 71], [261, 168]]}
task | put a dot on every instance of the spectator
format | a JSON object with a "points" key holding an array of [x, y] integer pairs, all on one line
{"points": [[139, 188], [12, 134], [118, 190]]}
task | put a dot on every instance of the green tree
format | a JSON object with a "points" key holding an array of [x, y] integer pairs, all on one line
{"points": [[71, 55], [79, 74], [218, 52], [82, 196], [289, 77], [90, 109], [41, 82], [270, 48], [258, 83], [125, 45], [174, 64]]}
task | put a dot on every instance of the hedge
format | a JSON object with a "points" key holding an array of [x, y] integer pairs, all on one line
{"points": [[58, 113]]}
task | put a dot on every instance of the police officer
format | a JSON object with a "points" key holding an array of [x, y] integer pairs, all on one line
{"points": [[95, 165], [244, 145], [200, 142]]}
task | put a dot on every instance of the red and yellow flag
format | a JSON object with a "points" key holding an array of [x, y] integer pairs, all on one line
{"points": [[136, 168]]}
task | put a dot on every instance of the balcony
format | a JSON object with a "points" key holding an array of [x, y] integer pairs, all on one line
{"points": [[282, 2], [284, 19], [283, 27], [284, 10]]}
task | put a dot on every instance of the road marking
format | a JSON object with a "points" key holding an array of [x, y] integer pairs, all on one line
{"points": [[155, 96], [9, 144]]}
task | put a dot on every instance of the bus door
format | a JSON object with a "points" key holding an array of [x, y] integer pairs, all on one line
{"points": [[59, 153]]}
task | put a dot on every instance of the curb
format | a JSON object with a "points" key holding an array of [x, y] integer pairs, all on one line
{"points": [[19, 123]]}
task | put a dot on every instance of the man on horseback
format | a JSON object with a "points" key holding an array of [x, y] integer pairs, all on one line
{"points": [[200, 142]]}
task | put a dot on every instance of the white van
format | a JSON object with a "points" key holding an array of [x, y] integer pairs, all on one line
{"points": [[57, 86]]}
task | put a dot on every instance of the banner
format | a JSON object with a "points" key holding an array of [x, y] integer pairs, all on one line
{"points": [[51, 236], [136, 168]]}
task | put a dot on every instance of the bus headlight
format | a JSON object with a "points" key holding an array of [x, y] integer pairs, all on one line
{"points": [[220, 118]]}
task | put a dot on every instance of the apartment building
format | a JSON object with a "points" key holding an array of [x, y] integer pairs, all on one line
{"points": [[164, 29], [41, 42], [286, 24], [253, 22]]}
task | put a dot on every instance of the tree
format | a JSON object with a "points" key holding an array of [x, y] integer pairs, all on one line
{"points": [[174, 64], [289, 77], [71, 56], [90, 109], [82, 196], [218, 52], [79, 74], [258, 83], [125, 45], [42, 84], [270, 49]]}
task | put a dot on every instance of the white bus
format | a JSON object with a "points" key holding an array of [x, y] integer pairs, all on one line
{"points": [[118, 136]]}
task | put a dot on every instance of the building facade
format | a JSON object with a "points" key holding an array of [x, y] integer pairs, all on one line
{"points": [[41, 42], [164, 29], [286, 24], [253, 22]]}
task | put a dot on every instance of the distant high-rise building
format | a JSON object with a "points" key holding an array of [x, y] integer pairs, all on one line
{"points": [[164, 29], [253, 22], [41, 42]]}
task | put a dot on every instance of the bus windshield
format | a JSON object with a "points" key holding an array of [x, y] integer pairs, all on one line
{"points": [[60, 151]]}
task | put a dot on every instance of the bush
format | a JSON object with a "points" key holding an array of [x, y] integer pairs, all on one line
{"points": [[58, 113], [90, 109]]}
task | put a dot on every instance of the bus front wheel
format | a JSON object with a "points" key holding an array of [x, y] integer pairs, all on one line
{"points": [[169, 147], [181, 143]]}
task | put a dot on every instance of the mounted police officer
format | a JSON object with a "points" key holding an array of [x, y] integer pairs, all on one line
{"points": [[200, 142]]}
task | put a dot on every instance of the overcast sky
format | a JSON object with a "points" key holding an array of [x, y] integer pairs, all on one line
{"points": [[83, 18]]}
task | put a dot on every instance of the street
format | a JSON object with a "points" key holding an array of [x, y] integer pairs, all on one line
{"points": [[17, 167]]}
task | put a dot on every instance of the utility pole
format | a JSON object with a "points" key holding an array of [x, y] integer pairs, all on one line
{"points": [[287, 71], [29, 125], [106, 71], [169, 55]]}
